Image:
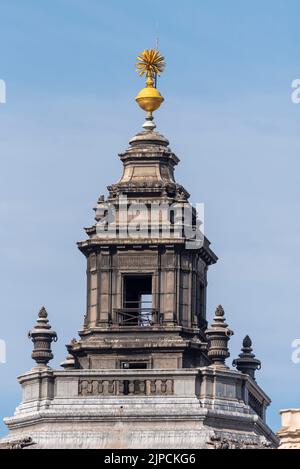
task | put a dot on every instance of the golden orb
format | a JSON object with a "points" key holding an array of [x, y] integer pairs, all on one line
{"points": [[149, 99]]}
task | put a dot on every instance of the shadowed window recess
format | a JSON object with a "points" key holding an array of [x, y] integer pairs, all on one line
{"points": [[137, 300]]}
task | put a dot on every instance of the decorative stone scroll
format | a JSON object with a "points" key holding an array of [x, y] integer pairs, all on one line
{"points": [[218, 442], [125, 387], [17, 444]]}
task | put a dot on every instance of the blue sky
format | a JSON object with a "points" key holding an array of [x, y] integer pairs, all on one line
{"points": [[69, 71]]}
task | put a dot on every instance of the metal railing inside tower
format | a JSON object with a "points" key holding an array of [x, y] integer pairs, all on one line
{"points": [[130, 315]]}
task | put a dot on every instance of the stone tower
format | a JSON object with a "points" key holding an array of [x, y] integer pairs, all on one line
{"points": [[147, 371], [146, 282]]}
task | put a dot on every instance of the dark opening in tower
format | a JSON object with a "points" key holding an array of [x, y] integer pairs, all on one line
{"points": [[137, 300]]}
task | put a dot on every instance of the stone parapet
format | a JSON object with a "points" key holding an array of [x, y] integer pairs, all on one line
{"points": [[139, 408]]}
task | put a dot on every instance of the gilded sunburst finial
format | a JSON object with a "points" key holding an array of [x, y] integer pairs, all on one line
{"points": [[151, 64], [150, 61]]}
